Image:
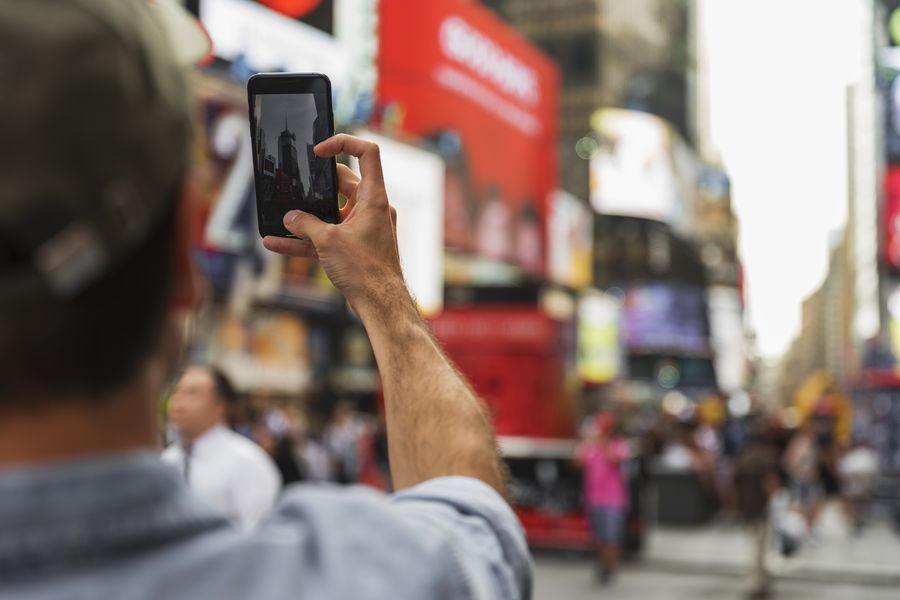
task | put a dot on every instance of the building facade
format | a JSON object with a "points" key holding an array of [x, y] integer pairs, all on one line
{"points": [[611, 54]]}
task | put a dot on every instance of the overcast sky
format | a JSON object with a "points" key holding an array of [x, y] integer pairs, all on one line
{"points": [[779, 71]]}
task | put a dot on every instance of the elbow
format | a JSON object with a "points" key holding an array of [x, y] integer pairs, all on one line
{"points": [[480, 458]]}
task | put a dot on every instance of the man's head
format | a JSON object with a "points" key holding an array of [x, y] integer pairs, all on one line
{"points": [[605, 424], [203, 398], [96, 123]]}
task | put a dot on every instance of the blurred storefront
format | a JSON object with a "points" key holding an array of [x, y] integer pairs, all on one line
{"points": [[663, 235], [877, 379], [276, 325], [665, 246]]}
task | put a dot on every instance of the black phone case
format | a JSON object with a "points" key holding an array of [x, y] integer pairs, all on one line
{"points": [[290, 83]]}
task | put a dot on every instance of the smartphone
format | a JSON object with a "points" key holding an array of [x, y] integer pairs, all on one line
{"points": [[289, 114]]}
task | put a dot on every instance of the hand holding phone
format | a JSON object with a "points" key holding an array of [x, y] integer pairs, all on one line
{"points": [[360, 255], [289, 114]]}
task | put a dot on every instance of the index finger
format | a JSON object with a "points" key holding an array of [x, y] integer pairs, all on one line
{"points": [[367, 153]]}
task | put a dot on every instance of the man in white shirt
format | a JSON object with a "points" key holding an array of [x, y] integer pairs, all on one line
{"points": [[222, 467]]}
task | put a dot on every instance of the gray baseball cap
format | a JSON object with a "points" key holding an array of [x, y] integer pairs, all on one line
{"points": [[95, 133]]}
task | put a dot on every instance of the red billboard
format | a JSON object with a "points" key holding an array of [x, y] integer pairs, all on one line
{"points": [[453, 72], [892, 217]]}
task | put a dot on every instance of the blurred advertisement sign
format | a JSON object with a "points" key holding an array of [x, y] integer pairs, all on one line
{"points": [[892, 16], [451, 71], [715, 227], [599, 350], [889, 55], [222, 169], [571, 228], [225, 231], [355, 26], [893, 306], [226, 238], [892, 217], [293, 8], [264, 351], [726, 321], [889, 85], [665, 317], [263, 40], [415, 185], [633, 172]]}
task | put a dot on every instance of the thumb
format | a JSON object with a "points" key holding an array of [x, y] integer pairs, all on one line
{"points": [[304, 225]]}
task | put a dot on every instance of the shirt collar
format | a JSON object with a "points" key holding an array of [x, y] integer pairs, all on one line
{"points": [[210, 437]]}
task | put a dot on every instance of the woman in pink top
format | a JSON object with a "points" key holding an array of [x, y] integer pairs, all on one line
{"points": [[605, 492]]}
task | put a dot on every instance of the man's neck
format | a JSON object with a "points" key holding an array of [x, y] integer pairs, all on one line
{"points": [[191, 441], [54, 429]]}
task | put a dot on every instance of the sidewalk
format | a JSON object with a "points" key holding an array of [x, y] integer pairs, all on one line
{"points": [[726, 549]]}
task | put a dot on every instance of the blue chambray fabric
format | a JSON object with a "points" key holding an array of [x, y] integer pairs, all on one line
{"points": [[126, 527]]}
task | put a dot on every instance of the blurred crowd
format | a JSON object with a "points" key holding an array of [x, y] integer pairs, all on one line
{"points": [[733, 459], [348, 447], [237, 453], [760, 469], [757, 468]]}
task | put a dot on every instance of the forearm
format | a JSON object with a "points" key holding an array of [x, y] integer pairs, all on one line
{"points": [[437, 426]]}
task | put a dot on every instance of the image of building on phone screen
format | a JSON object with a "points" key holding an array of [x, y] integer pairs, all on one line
{"points": [[290, 174]]}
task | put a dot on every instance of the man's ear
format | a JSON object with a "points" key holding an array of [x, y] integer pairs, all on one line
{"points": [[186, 281]]}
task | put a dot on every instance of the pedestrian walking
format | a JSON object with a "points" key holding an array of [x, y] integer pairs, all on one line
{"points": [[344, 436], [605, 492], [801, 463], [756, 481], [858, 469]]}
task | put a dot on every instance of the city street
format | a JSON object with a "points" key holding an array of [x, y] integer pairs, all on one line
{"points": [[339, 299], [711, 563], [558, 579]]}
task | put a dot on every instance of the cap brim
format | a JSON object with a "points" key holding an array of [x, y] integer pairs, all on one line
{"points": [[191, 43]]}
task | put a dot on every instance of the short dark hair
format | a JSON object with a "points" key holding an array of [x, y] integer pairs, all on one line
{"points": [[95, 343], [224, 388]]}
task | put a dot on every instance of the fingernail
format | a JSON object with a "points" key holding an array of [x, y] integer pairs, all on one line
{"points": [[291, 216]]}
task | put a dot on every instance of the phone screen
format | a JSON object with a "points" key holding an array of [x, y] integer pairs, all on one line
{"points": [[289, 175]]}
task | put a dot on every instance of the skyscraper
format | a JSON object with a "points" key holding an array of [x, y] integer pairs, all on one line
{"points": [[261, 147], [287, 153], [318, 166]]}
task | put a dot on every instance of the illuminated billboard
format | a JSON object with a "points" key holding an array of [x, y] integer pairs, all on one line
{"points": [[570, 236], [452, 72], [632, 173], [414, 179], [665, 317]]}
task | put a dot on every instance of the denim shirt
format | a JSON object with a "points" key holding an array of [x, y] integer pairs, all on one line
{"points": [[126, 527]]}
